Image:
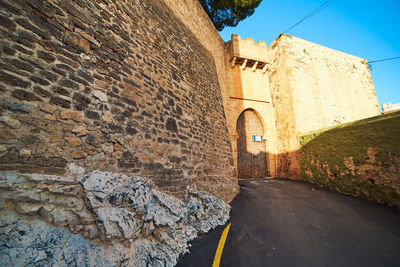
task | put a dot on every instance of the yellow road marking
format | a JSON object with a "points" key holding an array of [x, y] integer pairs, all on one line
{"points": [[220, 247]]}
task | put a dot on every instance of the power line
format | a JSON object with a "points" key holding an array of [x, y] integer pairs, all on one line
{"points": [[318, 9], [386, 59]]}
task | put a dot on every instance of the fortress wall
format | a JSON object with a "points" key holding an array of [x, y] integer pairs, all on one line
{"points": [[249, 49], [118, 85], [253, 86], [328, 87], [360, 158], [192, 14], [282, 101], [314, 87]]}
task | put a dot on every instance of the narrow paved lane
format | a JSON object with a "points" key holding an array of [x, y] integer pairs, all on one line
{"points": [[289, 223]]}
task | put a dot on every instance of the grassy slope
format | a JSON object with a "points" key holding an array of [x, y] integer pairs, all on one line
{"points": [[331, 146]]}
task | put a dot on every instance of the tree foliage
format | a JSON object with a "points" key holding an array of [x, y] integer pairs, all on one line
{"points": [[228, 12]]}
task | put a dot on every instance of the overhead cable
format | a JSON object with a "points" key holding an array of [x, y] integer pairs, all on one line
{"points": [[318, 9], [386, 59]]}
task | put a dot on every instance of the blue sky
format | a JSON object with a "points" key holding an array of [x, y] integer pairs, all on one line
{"points": [[369, 29]]}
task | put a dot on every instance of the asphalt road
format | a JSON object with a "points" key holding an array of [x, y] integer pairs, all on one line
{"points": [[289, 223]]}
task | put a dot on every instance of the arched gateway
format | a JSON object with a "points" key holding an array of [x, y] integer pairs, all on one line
{"points": [[252, 157]]}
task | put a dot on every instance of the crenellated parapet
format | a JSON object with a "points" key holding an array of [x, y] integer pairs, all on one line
{"points": [[389, 107], [248, 53]]}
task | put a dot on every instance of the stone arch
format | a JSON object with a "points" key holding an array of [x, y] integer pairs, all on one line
{"points": [[237, 115], [251, 155]]}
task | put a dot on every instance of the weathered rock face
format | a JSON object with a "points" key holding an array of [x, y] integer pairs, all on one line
{"points": [[35, 243], [104, 219], [116, 85]]}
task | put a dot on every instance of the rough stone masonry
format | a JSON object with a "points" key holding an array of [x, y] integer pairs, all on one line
{"points": [[114, 86], [118, 86]]}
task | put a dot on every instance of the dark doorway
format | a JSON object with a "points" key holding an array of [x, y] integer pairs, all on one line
{"points": [[252, 157]]}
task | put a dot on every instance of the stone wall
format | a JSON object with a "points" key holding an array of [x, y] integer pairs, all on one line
{"points": [[192, 14], [250, 90], [286, 129], [121, 86], [360, 158], [336, 86], [196, 19], [314, 87]]}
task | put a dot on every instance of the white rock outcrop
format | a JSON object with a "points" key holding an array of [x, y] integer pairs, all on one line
{"points": [[103, 219]]}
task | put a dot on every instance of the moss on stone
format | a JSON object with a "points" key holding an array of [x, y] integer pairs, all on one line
{"points": [[331, 147]]}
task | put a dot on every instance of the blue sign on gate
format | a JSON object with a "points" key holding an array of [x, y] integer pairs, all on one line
{"points": [[257, 138]]}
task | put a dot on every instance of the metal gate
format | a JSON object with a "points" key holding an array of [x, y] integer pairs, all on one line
{"points": [[252, 157]]}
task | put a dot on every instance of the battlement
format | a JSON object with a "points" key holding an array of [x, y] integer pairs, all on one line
{"points": [[248, 52], [249, 40]]}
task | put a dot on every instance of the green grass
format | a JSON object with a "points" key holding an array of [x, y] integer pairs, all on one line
{"points": [[332, 145]]}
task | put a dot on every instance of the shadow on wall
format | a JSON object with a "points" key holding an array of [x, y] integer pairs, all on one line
{"points": [[251, 153], [252, 157], [360, 158], [288, 165]]}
